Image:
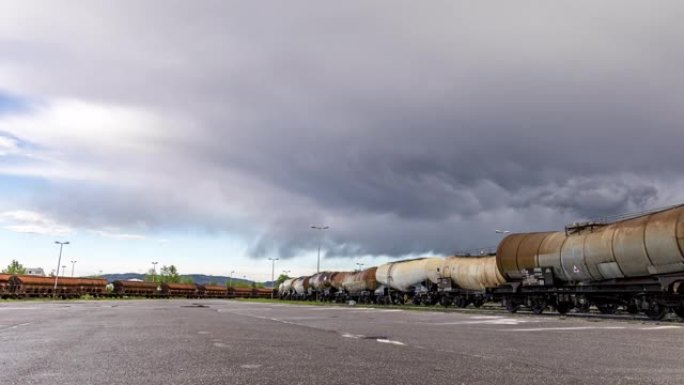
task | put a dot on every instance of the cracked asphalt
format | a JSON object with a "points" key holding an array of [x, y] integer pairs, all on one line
{"points": [[228, 342]]}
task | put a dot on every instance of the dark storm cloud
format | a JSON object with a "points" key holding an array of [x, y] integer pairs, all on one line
{"points": [[407, 127]]}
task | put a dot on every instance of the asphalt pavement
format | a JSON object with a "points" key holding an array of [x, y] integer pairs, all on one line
{"points": [[174, 342]]}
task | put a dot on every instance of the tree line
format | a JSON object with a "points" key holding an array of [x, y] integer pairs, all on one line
{"points": [[167, 274]]}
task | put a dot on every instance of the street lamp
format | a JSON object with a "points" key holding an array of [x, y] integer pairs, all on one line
{"points": [[231, 278], [287, 272], [154, 271], [273, 274], [63, 268], [318, 260], [360, 265], [502, 231], [59, 262], [73, 263]]}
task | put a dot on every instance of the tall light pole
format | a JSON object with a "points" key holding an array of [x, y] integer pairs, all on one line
{"points": [[502, 231], [273, 274], [154, 271], [63, 269], [318, 260], [287, 272], [73, 263], [360, 265], [59, 262], [231, 278]]}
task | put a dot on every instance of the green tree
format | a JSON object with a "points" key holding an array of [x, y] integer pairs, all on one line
{"points": [[280, 280], [15, 268], [167, 274]]}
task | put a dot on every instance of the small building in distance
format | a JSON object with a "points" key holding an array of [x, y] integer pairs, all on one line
{"points": [[35, 271]]}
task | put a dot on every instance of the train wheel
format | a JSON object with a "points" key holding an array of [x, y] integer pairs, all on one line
{"points": [[608, 308], [461, 302], [512, 307], [656, 311], [445, 301], [478, 302], [632, 309], [584, 307], [416, 300], [563, 307], [538, 305], [679, 311]]}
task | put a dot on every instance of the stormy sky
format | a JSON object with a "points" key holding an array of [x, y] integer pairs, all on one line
{"points": [[408, 127]]}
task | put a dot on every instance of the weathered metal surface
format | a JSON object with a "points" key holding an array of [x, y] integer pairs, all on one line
{"points": [[180, 289], [213, 288], [301, 285], [406, 275], [636, 247], [517, 252], [337, 279], [37, 286], [286, 286], [472, 273], [122, 287], [320, 281], [5, 284], [361, 281]]}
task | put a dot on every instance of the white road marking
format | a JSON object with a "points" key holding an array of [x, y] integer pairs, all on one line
{"points": [[662, 327], [349, 335], [391, 342], [250, 366], [566, 328]]}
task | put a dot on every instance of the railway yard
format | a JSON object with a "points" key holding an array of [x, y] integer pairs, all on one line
{"points": [[233, 342]]}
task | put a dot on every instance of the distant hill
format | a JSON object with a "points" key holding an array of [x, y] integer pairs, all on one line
{"points": [[196, 278]]}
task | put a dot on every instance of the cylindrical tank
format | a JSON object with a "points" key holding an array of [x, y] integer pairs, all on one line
{"points": [[472, 273], [337, 279], [405, 275], [286, 286], [645, 245], [301, 285], [363, 280], [320, 281]]}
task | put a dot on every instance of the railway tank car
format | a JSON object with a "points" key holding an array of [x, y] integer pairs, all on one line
{"points": [[464, 280], [636, 263], [359, 286], [402, 281]]}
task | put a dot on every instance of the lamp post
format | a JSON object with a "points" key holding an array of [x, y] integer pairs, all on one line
{"points": [[502, 231], [231, 278], [154, 271], [273, 274], [63, 269], [318, 260], [59, 262], [360, 265], [73, 263]]}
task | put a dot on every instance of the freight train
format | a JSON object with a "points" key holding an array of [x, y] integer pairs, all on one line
{"points": [[28, 286], [635, 264]]}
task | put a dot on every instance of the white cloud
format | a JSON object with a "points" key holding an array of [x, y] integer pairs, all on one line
{"points": [[7, 146], [32, 222], [118, 236]]}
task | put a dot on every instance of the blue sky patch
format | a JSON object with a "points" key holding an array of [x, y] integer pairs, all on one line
{"points": [[12, 104]]}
